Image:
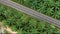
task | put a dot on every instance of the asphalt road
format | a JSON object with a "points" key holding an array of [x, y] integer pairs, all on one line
{"points": [[31, 12]]}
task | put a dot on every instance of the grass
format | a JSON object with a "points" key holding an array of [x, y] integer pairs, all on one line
{"points": [[23, 23]]}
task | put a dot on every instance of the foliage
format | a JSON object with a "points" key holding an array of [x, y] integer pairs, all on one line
{"points": [[48, 7], [25, 24]]}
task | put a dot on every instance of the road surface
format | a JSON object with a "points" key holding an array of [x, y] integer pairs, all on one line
{"points": [[31, 12]]}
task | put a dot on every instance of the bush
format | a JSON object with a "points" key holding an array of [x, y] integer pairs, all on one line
{"points": [[47, 7], [25, 24]]}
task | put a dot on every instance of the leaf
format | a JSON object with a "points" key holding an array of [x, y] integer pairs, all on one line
{"points": [[20, 31], [34, 31], [33, 22], [1, 9], [41, 25], [24, 18]]}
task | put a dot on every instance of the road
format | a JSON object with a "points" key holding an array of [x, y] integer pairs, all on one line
{"points": [[31, 12]]}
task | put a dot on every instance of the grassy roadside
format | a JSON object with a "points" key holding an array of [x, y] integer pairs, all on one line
{"points": [[24, 24], [47, 7]]}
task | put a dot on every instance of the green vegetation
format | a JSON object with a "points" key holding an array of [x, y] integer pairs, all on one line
{"points": [[47, 7], [25, 24]]}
